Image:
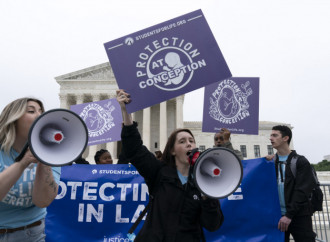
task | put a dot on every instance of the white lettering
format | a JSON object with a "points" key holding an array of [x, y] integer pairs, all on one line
{"points": [[87, 190], [101, 192], [119, 219], [123, 187]]}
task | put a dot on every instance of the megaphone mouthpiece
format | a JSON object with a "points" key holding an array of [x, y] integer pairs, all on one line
{"points": [[52, 135], [58, 137], [210, 168], [216, 172]]}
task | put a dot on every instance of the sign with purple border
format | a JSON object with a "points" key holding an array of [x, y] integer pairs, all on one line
{"points": [[103, 120], [233, 104], [166, 60]]}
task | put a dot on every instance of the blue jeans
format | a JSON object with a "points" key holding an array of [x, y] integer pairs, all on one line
{"points": [[34, 234]]}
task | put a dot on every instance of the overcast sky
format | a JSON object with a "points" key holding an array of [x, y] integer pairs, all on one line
{"points": [[285, 43]]}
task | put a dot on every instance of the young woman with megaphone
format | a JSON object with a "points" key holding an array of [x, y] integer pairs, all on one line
{"points": [[29, 186], [177, 210]]}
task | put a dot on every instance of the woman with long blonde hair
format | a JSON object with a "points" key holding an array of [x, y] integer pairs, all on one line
{"points": [[27, 187]]}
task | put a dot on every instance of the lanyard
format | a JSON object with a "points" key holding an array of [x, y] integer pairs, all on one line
{"points": [[281, 170]]}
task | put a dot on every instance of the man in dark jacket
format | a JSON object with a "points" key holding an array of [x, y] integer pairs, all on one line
{"points": [[294, 191]]}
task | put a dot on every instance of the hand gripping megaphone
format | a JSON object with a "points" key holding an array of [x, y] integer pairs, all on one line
{"points": [[217, 172], [57, 138]]}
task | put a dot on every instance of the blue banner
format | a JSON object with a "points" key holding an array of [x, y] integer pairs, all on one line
{"points": [[101, 203]]}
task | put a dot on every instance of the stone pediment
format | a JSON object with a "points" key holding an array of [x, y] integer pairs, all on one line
{"points": [[98, 72]]}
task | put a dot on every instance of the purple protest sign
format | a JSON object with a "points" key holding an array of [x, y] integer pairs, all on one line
{"points": [[103, 120], [233, 104], [166, 60]]}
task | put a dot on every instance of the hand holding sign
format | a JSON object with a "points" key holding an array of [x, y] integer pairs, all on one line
{"points": [[123, 98]]}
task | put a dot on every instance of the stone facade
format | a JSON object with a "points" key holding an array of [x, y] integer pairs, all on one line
{"points": [[252, 143], [155, 123]]}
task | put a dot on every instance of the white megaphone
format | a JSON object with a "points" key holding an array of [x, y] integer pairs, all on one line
{"points": [[57, 138], [217, 172]]}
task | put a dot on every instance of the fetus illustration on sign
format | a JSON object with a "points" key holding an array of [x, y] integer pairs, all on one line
{"points": [[173, 62], [229, 102], [169, 68], [99, 118]]}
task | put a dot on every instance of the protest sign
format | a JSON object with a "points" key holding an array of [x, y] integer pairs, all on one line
{"points": [[103, 120], [233, 104], [166, 60]]}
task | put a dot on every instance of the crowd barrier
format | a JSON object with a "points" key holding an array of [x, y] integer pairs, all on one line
{"points": [[321, 219]]}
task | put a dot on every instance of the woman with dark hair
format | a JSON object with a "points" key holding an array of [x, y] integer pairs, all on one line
{"points": [[103, 157], [28, 186], [178, 211]]}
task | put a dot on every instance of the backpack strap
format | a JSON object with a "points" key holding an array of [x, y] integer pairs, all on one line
{"points": [[315, 176], [138, 220], [293, 165]]}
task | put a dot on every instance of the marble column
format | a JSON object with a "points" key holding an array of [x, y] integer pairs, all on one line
{"points": [[112, 148], [146, 127], [80, 98], [93, 148], [162, 125], [179, 111], [95, 97], [64, 101]]}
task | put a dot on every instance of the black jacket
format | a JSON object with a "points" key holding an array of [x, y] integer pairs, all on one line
{"points": [[297, 190], [178, 211]]}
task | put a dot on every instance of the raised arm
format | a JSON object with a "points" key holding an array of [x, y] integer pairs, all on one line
{"points": [[138, 154], [123, 98]]}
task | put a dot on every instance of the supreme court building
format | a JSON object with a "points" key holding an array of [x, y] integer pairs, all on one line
{"points": [[155, 123]]}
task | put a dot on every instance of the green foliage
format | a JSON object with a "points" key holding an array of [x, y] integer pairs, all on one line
{"points": [[322, 166]]}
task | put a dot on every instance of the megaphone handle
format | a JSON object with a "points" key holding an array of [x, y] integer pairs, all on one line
{"points": [[20, 156]]}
